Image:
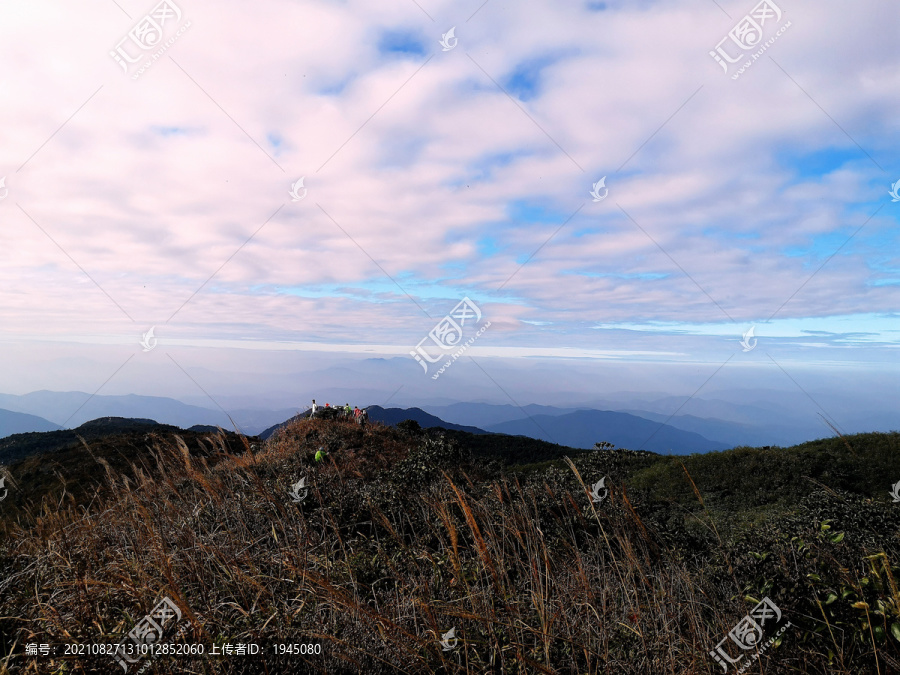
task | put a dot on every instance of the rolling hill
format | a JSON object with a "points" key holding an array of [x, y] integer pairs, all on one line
{"points": [[392, 417]]}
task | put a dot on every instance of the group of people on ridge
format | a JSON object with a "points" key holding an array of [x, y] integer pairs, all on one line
{"points": [[359, 415]]}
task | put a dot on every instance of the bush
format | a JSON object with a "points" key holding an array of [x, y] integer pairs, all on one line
{"points": [[409, 427]]}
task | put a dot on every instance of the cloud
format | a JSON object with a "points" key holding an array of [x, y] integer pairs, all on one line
{"points": [[435, 174]]}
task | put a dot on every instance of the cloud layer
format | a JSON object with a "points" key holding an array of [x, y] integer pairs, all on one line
{"points": [[434, 175]]}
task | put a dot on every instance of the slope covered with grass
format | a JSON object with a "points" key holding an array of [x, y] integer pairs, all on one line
{"points": [[399, 535]]}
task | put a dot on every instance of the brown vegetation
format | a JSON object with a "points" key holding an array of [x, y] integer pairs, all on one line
{"points": [[401, 537]]}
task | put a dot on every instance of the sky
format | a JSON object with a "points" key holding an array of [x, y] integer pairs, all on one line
{"points": [[287, 190]]}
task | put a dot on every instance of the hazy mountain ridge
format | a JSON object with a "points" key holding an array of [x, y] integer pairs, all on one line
{"points": [[755, 422], [483, 415], [74, 408], [12, 422], [583, 428]]}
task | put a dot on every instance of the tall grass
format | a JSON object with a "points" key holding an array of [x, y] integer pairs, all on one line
{"points": [[373, 565]]}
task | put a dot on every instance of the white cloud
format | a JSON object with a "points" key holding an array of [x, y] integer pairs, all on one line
{"points": [[151, 187]]}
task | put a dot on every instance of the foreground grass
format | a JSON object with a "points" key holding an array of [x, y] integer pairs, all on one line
{"points": [[403, 536]]}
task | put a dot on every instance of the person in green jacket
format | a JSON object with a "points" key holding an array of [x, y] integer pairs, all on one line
{"points": [[348, 411]]}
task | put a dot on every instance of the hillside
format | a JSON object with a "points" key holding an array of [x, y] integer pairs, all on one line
{"points": [[393, 416], [390, 417], [399, 538], [19, 446]]}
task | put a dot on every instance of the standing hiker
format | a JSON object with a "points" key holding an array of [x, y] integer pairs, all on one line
{"points": [[348, 410], [312, 410], [363, 417]]}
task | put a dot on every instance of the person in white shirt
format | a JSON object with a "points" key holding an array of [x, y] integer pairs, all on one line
{"points": [[313, 408]]}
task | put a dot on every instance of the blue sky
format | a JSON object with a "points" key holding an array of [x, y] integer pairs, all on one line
{"points": [[434, 175]]}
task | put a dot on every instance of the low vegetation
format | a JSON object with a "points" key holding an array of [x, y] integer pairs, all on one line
{"points": [[403, 550]]}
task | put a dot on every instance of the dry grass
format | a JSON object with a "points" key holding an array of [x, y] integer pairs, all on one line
{"points": [[534, 577]]}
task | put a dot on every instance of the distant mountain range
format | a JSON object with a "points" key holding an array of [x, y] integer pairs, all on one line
{"points": [[703, 424], [579, 429], [736, 431], [20, 423], [485, 414], [73, 408], [46, 410], [584, 428]]}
